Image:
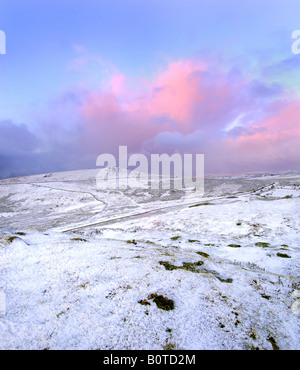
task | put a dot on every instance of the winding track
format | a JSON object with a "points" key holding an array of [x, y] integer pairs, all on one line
{"points": [[147, 213], [143, 213]]}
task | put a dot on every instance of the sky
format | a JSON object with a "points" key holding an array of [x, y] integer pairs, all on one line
{"points": [[213, 77]]}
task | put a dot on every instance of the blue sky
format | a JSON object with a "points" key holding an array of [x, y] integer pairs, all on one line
{"points": [[66, 48]]}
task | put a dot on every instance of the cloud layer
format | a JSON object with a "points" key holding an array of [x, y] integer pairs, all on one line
{"points": [[240, 122]]}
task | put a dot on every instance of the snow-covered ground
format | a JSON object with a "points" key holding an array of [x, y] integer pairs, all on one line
{"points": [[82, 268]]}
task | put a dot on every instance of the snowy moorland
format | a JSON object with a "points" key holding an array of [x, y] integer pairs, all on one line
{"points": [[83, 268]]}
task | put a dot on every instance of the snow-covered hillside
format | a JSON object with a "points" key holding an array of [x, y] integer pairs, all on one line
{"points": [[82, 268]]}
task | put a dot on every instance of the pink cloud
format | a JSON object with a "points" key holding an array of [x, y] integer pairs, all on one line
{"points": [[187, 107], [176, 93], [117, 84], [272, 144], [107, 125]]}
